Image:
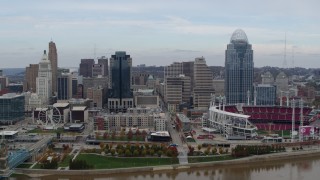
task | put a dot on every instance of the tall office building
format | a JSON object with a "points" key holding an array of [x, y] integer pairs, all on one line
{"points": [[120, 93], [267, 78], [183, 71], [44, 79], [266, 94], [86, 67], [65, 87], [30, 80], [203, 84], [282, 83], [238, 69], [104, 61], [53, 58]]}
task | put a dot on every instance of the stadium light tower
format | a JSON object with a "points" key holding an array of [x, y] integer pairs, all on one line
{"points": [[293, 118]]}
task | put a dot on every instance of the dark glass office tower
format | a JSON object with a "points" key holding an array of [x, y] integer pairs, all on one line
{"points": [[120, 92], [238, 69]]}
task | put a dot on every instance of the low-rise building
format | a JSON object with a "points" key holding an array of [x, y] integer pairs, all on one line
{"points": [[160, 122], [183, 122]]}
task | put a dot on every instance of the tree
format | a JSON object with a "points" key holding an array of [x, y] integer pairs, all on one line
{"points": [[122, 133], [199, 147], [120, 152], [138, 133], [151, 152], [130, 135], [105, 135], [107, 147], [207, 151], [113, 151], [144, 134], [136, 153], [143, 153], [214, 150], [191, 150], [127, 153], [113, 135], [102, 146]]}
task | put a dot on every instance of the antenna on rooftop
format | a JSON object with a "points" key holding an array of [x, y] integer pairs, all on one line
{"points": [[284, 65], [292, 56], [94, 51]]}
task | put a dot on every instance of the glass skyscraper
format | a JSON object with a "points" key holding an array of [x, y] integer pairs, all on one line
{"points": [[120, 93], [238, 69]]}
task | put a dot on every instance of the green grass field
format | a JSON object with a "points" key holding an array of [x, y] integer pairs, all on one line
{"points": [[101, 162], [65, 162], [24, 165], [285, 133]]}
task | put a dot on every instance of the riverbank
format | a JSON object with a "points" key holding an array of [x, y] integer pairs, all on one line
{"points": [[234, 162]]}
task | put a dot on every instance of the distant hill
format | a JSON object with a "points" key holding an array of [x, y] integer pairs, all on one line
{"points": [[13, 71]]}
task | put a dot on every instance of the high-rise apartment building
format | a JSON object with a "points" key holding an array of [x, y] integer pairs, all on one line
{"points": [[120, 95], [53, 58], [203, 84], [30, 80], [238, 68], [44, 79], [86, 67]]}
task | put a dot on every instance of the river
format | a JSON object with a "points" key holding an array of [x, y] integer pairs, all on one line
{"points": [[296, 169]]}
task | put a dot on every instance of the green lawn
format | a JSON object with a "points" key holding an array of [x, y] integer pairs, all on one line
{"points": [[208, 159], [37, 166], [101, 162], [24, 165], [65, 162]]}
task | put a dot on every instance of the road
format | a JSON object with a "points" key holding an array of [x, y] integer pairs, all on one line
{"points": [[176, 139]]}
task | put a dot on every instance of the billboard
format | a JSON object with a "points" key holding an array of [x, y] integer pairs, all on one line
{"points": [[306, 130]]}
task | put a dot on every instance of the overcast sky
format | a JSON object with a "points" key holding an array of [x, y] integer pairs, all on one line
{"points": [[157, 32]]}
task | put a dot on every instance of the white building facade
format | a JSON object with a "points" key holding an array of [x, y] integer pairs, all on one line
{"points": [[44, 79]]}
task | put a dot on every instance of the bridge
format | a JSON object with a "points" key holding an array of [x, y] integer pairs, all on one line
{"points": [[15, 158]]}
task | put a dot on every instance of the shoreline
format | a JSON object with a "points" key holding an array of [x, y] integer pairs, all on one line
{"points": [[234, 162]]}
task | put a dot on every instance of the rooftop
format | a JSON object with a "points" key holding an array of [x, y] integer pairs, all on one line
{"points": [[79, 108], [60, 104], [183, 118], [161, 133], [239, 36], [8, 133]]}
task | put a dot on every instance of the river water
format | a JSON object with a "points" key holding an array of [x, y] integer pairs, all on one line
{"points": [[295, 169]]}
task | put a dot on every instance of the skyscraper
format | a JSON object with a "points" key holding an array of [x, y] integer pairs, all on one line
{"points": [[30, 80], [53, 58], [86, 67], [120, 95], [104, 61], [203, 87], [238, 68], [44, 79]]}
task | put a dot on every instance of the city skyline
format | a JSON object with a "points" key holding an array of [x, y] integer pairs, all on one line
{"points": [[158, 33]]}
